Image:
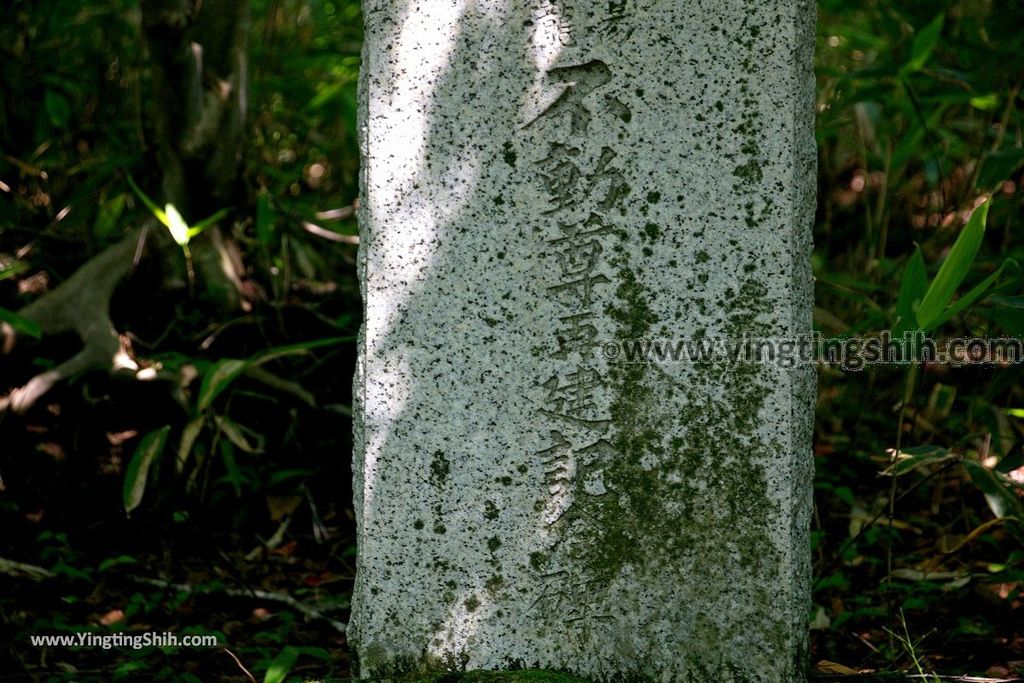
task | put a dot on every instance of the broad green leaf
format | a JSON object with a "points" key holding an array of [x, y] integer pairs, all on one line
{"points": [[217, 379], [21, 324], [177, 225], [953, 270], [281, 666], [913, 286], [924, 44], [1001, 500], [138, 469]]}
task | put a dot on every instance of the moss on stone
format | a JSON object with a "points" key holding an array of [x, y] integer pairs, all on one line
{"points": [[439, 469], [682, 474], [525, 676]]}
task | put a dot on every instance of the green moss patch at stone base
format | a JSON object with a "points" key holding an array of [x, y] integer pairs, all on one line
{"points": [[526, 676]]}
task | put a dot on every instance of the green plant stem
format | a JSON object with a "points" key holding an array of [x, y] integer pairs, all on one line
{"points": [[908, 394]]}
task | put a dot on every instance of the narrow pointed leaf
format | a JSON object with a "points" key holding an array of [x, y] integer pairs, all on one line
{"points": [[207, 222], [970, 297], [189, 435], [138, 469], [923, 46], [281, 666], [149, 203], [953, 270], [218, 379], [913, 286]]}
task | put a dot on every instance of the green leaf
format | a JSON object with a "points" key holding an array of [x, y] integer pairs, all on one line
{"points": [[236, 435], [297, 349], [924, 44], [188, 439], [219, 378], [913, 286], [1013, 460], [138, 469], [910, 459], [264, 219], [281, 666], [953, 270], [118, 561], [226, 371], [21, 324], [1001, 500], [207, 222], [58, 110], [149, 203], [108, 216], [967, 299], [13, 269], [986, 102]]}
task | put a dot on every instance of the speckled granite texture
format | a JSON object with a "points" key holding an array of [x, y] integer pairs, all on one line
{"points": [[541, 178]]}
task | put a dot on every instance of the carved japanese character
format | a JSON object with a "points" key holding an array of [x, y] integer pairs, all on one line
{"points": [[577, 336], [581, 80]]}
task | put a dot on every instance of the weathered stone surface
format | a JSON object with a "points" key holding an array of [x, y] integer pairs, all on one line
{"points": [[542, 178]]}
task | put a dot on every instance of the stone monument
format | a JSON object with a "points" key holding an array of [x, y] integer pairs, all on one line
{"points": [[545, 183]]}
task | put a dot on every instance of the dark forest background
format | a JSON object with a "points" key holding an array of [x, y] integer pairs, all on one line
{"points": [[199, 482]]}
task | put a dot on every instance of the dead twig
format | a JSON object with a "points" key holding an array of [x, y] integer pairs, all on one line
{"points": [[24, 571], [268, 596], [240, 665]]}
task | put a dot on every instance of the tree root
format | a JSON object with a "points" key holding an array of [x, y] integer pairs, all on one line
{"points": [[81, 305]]}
